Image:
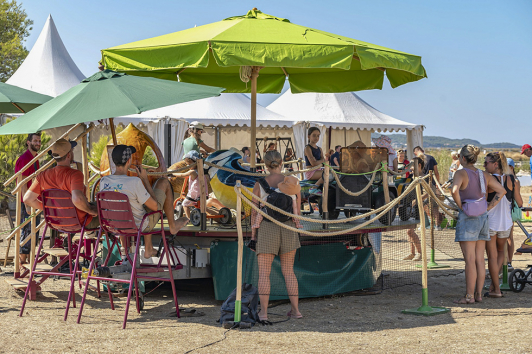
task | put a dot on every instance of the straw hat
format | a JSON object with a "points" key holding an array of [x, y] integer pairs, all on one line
{"points": [[289, 186]]}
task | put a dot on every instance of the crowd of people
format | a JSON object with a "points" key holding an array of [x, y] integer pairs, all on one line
{"points": [[485, 200]]}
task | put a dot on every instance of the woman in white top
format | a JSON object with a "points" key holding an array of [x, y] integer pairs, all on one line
{"points": [[499, 218]]}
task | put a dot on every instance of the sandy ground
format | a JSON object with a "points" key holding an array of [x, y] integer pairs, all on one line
{"points": [[339, 324]]}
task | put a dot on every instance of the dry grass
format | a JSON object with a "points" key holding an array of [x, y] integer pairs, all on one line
{"points": [[339, 324]]}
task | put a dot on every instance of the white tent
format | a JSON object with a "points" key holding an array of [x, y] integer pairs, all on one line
{"points": [[226, 117], [348, 117], [48, 68]]}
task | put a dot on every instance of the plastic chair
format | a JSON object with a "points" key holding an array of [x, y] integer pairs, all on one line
{"points": [[116, 218], [59, 214]]}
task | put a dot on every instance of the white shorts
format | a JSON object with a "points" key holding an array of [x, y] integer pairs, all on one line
{"points": [[500, 234]]}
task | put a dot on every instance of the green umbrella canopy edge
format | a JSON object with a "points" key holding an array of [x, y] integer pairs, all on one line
{"points": [[105, 95], [14, 99], [313, 60]]}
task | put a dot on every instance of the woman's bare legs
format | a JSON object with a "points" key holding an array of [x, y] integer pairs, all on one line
{"points": [[470, 251], [481, 269], [493, 266], [500, 252], [287, 267], [265, 266], [415, 244], [511, 245]]}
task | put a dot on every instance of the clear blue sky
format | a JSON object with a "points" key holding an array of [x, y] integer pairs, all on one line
{"points": [[477, 53]]}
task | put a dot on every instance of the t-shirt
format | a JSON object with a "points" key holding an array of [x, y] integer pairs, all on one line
{"points": [[430, 162], [64, 178], [190, 144], [23, 161], [331, 159], [133, 188]]}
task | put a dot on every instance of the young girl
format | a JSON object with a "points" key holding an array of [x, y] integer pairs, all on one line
{"points": [[314, 157], [193, 194]]}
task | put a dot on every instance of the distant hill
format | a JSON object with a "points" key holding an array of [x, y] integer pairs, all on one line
{"points": [[442, 142]]}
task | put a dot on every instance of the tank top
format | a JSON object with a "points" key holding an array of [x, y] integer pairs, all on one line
{"points": [[473, 190], [500, 217], [316, 152], [509, 192]]}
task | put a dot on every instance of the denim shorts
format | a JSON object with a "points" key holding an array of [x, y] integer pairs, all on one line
{"points": [[472, 228]]}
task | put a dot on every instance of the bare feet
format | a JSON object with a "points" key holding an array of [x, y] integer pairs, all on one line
{"points": [[294, 314], [178, 225], [468, 299]]}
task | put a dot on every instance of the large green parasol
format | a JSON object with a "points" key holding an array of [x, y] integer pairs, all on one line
{"points": [[14, 99], [104, 95], [231, 52]]}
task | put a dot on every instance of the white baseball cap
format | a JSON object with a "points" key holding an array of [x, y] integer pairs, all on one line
{"points": [[196, 125]]}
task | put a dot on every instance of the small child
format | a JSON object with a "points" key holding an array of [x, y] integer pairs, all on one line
{"points": [[193, 194], [290, 186]]}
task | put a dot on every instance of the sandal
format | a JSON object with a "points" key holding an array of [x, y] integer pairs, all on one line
{"points": [[265, 322], [409, 257], [478, 297], [468, 299], [494, 295]]}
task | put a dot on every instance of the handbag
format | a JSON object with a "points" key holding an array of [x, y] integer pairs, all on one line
{"points": [[517, 214], [476, 207]]}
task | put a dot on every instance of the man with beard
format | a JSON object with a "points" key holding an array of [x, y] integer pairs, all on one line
{"points": [[65, 178], [33, 143]]}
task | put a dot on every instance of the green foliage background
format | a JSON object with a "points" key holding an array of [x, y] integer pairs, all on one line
{"points": [[15, 26]]}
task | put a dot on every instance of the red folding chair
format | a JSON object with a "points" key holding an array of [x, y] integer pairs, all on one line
{"points": [[116, 218], [59, 214]]}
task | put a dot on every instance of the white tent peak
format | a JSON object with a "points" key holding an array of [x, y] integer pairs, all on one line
{"points": [[338, 110], [48, 68], [228, 109]]}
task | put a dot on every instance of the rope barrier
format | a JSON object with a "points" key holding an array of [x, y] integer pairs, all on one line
{"points": [[182, 169], [353, 194], [258, 174], [250, 196], [291, 162], [384, 208], [433, 195], [405, 171]]}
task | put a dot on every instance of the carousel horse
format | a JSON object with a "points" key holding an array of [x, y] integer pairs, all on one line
{"points": [[132, 136]]}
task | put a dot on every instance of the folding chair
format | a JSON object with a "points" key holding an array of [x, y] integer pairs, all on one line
{"points": [[59, 214], [116, 218]]}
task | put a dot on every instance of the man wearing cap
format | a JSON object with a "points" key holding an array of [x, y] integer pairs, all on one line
{"points": [[527, 151], [65, 178], [194, 142], [142, 196], [33, 143]]}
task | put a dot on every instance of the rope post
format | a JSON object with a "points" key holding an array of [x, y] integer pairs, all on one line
{"points": [[325, 196], [300, 168], [424, 309], [17, 235], [505, 285], [432, 263], [386, 188], [238, 300], [203, 195]]}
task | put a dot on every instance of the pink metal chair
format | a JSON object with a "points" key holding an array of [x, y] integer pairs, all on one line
{"points": [[116, 218], [59, 214]]}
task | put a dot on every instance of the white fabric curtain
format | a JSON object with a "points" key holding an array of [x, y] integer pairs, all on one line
{"points": [[178, 127], [414, 137], [300, 130], [156, 131]]}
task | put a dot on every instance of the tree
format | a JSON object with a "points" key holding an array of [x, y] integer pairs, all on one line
{"points": [[15, 26]]}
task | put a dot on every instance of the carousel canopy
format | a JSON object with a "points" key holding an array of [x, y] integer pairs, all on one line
{"points": [[337, 110], [48, 69], [228, 109]]}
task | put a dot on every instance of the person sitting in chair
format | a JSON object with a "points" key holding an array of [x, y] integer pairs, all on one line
{"points": [[65, 178], [143, 197]]}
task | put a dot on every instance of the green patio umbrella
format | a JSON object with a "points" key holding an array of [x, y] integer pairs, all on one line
{"points": [[14, 99], [230, 53], [107, 94]]}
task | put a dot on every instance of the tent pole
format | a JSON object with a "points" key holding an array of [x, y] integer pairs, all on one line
{"points": [[112, 124], [252, 145]]}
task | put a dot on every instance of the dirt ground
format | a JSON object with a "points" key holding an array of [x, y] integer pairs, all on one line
{"points": [[339, 324]]}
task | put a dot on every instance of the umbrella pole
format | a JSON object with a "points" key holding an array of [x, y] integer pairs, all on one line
{"points": [[16, 105], [252, 145], [113, 133]]}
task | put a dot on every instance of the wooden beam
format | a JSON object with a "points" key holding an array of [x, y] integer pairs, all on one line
{"points": [[85, 164]]}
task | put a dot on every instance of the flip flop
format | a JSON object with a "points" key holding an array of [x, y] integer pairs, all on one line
{"points": [[289, 314], [265, 322], [487, 294]]}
